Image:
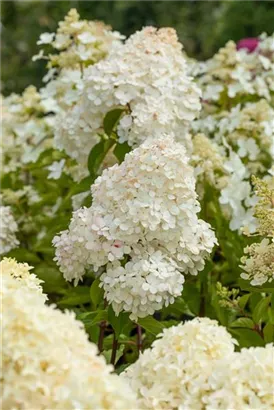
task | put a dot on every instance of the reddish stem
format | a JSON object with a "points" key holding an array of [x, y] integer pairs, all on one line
{"points": [[114, 350]]}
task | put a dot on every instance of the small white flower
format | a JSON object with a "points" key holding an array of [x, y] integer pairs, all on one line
{"points": [[56, 169], [46, 38], [248, 148], [86, 38]]}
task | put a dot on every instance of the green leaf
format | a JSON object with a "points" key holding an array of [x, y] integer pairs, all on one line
{"points": [[151, 325], [119, 353], [111, 119], [23, 255], [242, 301], [121, 150], [269, 333], [54, 281], [270, 312], [260, 310], [247, 337], [92, 318], [192, 297], [117, 322], [245, 285], [96, 293], [76, 296], [243, 322], [178, 308], [97, 155]]}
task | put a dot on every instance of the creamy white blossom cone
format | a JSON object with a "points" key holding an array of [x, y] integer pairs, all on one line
{"points": [[48, 362], [243, 381], [174, 372], [147, 76], [144, 210]]}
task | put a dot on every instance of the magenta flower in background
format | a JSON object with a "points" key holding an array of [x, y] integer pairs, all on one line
{"points": [[250, 43]]}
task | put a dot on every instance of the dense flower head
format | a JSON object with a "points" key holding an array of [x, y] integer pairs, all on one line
{"points": [[147, 201], [247, 128], [149, 281], [78, 41], [194, 366], [243, 140], [174, 372], [18, 276], [48, 362], [76, 44], [264, 208], [233, 73], [243, 381], [27, 130], [258, 262], [9, 228], [208, 161], [147, 78]]}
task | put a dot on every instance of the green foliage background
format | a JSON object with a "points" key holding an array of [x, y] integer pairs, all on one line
{"points": [[203, 27]]}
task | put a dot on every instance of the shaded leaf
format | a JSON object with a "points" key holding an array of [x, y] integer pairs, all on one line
{"points": [[243, 322], [96, 293], [76, 296], [54, 281], [111, 119], [117, 322], [92, 318], [121, 150], [268, 333], [247, 337], [97, 155], [151, 325], [260, 311], [242, 301]]}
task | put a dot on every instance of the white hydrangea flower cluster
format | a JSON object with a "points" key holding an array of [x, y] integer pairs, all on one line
{"points": [[258, 261], [149, 281], [194, 366], [147, 77], [77, 44], [174, 373], [243, 381], [48, 362], [27, 192], [144, 212], [27, 131], [9, 228], [208, 161], [18, 276], [243, 140], [232, 73]]}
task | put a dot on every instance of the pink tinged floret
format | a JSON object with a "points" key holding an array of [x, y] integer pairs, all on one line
{"points": [[250, 43]]}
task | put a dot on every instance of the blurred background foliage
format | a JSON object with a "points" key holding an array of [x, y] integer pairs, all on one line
{"points": [[203, 27]]}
